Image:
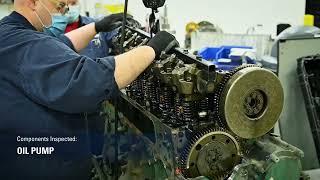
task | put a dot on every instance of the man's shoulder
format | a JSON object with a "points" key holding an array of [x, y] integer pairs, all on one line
{"points": [[21, 33], [4, 20], [15, 32], [7, 22], [12, 35]]}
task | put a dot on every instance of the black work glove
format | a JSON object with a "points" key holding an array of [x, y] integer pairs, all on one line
{"points": [[110, 23], [162, 42]]}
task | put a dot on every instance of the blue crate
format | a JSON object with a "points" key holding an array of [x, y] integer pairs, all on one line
{"points": [[216, 54]]}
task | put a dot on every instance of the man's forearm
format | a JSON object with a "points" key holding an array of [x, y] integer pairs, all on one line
{"points": [[131, 64], [81, 37]]}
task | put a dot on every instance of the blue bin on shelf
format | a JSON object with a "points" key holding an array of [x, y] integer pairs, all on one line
{"points": [[219, 56]]}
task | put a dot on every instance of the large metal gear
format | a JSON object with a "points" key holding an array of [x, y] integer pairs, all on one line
{"points": [[218, 94], [248, 106], [211, 153]]}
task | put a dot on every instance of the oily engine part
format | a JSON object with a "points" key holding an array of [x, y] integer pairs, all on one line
{"points": [[198, 121], [211, 154], [251, 102]]}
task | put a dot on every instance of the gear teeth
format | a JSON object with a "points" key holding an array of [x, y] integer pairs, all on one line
{"points": [[219, 177], [219, 114], [196, 137], [186, 151]]}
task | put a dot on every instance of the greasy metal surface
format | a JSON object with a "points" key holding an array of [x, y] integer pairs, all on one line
{"points": [[213, 155], [188, 79], [171, 105], [252, 103], [314, 174], [184, 78], [183, 54], [139, 117], [255, 104], [269, 158]]}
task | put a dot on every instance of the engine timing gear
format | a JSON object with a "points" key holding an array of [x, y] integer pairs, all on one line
{"points": [[249, 107], [218, 94], [211, 153]]}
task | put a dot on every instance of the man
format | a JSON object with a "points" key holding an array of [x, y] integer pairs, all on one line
{"points": [[72, 20], [46, 88], [97, 48]]}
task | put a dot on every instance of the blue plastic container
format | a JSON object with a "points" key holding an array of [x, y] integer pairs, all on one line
{"points": [[219, 57]]}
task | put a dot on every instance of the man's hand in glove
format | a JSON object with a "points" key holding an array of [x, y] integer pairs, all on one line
{"points": [[110, 23], [81, 37], [162, 42]]}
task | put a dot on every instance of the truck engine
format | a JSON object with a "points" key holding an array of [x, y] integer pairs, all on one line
{"points": [[186, 119]]}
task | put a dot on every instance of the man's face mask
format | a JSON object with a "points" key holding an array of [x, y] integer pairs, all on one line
{"points": [[60, 8], [60, 22], [73, 13]]}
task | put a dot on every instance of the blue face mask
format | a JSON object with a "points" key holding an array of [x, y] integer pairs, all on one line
{"points": [[59, 24], [73, 13]]}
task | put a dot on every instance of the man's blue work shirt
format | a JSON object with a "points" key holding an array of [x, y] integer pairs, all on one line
{"points": [[97, 48], [45, 88]]}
